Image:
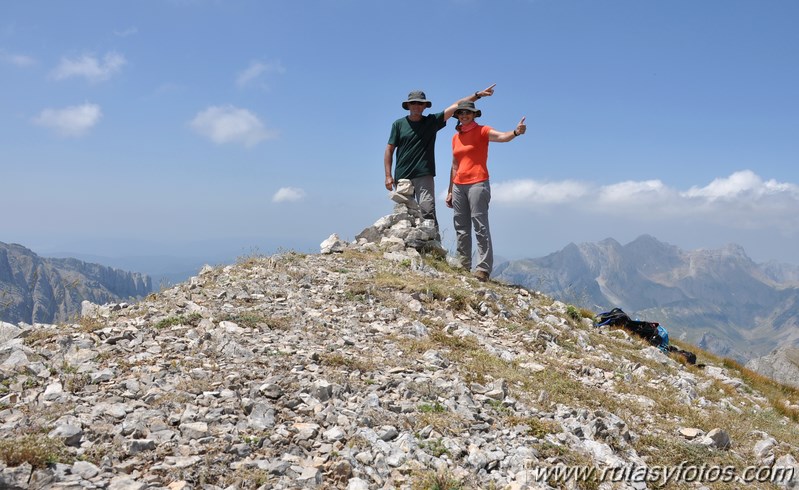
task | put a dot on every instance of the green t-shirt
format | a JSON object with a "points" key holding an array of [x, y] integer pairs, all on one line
{"points": [[415, 142]]}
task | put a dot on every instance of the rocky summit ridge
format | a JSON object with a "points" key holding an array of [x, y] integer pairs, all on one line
{"points": [[36, 289], [370, 366]]}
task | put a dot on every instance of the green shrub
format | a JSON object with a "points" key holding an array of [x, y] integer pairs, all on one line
{"points": [[192, 320]]}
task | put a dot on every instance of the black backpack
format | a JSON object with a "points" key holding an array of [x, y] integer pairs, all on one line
{"points": [[614, 318], [618, 318], [652, 332]]}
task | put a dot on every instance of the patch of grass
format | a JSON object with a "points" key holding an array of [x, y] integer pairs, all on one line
{"points": [[68, 368], [775, 392], [36, 449], [549, 450], [90, 324], [434, 289], [351, 363], [495, 368], [670, 451], [358, 292], [360, 256], [289, 256], [718, 390], [499, 407], [95, 454], [441, 422], [251, 440], [74, 382], [573, 313], [436, 481], [195, 386], [439, 263], [278, 322], [245, 479], [435, 447], [192, 320], [562, 387], [358, 443], [558, 455], [251, 259], [247, 320], [538, 428], [427, 390], [458, 300], [39, 335], [173, 398], [431, 408], [452, 342]]}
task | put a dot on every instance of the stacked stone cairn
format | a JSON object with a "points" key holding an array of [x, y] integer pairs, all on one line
{"points": [[403, 234]]}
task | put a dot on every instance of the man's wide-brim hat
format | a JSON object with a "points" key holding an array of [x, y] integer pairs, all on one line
{"points": [[417, 96], [468, 106]]}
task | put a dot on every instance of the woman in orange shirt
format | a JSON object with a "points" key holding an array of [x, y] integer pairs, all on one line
{"points": [[469, 188]]}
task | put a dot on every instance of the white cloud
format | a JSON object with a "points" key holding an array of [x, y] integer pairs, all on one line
{"points": [[255, 70], [288, 194], [531, 191], [71, 121], [90, 67], [631, 190], [741, 184], [228, 124], [742, 200], [20, 60]]}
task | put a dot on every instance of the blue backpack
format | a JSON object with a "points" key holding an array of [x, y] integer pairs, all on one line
{"points": [[652, 332]]}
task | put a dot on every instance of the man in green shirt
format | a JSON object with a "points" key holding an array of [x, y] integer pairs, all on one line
{"points": [[414, 139]]}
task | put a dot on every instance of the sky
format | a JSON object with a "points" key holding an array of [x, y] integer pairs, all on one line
{"points": [[221, 129]]}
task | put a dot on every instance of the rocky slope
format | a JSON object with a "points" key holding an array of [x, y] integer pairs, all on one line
{"points": [[782, 364], [34, 289], [368, 368], [719, 299]]}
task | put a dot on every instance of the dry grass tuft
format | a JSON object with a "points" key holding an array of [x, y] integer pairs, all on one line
{"points": [[90, 324], [430, 480], [775, 392], [38, 450], [350, 363], [193, 320]]}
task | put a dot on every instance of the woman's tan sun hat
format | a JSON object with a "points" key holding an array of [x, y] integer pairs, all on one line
{"points": [[468, 106]]}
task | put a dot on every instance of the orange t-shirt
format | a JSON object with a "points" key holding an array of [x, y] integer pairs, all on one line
{"points": [[470, 150]]}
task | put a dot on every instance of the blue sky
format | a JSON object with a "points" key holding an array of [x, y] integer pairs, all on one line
{"points": [[217, 129]]}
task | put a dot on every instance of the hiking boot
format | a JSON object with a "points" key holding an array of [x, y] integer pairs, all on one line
{"points": [[481, 276]]}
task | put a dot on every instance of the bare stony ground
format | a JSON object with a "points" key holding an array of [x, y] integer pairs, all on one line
{"points": [[368, 369]]}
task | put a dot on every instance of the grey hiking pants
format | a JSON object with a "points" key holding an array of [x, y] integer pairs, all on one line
{"points": [[470, 202]]}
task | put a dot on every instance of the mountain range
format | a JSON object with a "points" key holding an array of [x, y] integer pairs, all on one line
{"points": [[719, 299], [35, 289]]}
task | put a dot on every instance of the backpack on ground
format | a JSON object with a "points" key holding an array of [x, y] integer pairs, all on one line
{"points": [[614, 318], [652, 332]]}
